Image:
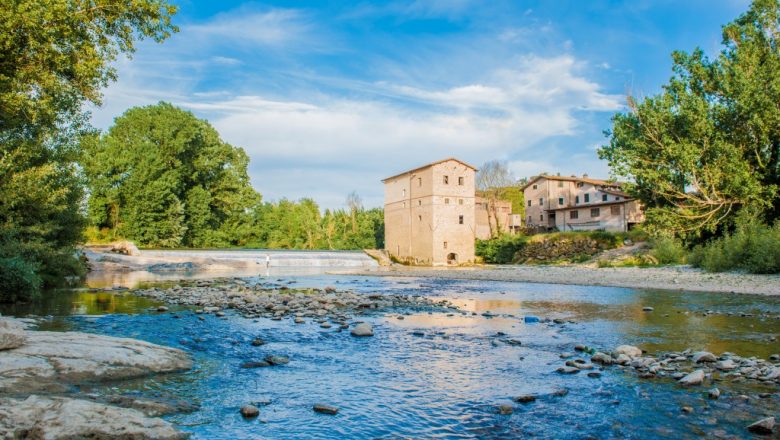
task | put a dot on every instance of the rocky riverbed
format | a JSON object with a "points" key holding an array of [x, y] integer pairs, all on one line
{"points": [[36, 364]]}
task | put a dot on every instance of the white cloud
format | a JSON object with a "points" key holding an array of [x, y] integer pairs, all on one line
{"points": [[248, 27]]}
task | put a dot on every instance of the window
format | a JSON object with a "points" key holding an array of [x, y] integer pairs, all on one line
{"points": [[529, 219], [574, 215], [576, 200], [560, 184], [419, 218], [419, 203], [529, 203], [579, 184], [446, 180], [541, 217], [541, 201], [446, 201], [534, 186], [460, 181], [445, 245], [404, 204], [460, 201], [615, 210], [404, 192], [617, 198], [603, 197], [595, 212], [419, 181], [587, 198], [560, 200], [460, 219]]}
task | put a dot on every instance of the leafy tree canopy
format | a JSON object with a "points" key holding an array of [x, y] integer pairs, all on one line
{"points": [[708, 146], [55, 55], [164, 178]]}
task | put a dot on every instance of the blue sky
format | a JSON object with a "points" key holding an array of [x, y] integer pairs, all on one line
{"points": [[330, 97]]}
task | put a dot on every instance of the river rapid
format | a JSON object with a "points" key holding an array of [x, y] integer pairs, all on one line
{"points": [[439, 373]]}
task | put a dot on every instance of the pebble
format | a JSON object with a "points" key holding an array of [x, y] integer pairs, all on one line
{"points": [[694, 378], [568, 370], [525, 398], [363, 329], [277, 360], [763, 426], [257, 342], [300, 321], [325, 409], [255, 364], [713, 393], [249, 411], [703, 356], [687, 409], [162, 309], [505, 409], [647, 309]]}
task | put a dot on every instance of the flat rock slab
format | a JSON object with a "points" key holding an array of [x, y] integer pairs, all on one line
{"points": [[52, 361], [63, 418]]}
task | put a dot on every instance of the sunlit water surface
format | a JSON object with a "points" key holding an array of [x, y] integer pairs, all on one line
{"points": [[448, 382]]}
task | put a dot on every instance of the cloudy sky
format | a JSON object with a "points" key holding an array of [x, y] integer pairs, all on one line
{"points": [[330, 97]]}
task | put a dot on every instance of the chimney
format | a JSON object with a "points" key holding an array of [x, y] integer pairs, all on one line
{"points": [[573, 175], [558, 174], [584, 175]]}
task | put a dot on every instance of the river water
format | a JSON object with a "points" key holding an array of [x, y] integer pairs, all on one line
{"points": [[431, 375]]}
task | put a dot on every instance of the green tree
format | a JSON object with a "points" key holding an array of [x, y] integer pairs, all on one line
{"points": [[55, 56], [708, 146], [164, 178]]}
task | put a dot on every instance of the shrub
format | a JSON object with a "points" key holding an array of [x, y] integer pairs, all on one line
{"points": [[18, 280], [753, 247], [667, 250], [500, 250]]}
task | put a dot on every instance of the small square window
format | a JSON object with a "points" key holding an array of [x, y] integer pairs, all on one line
{"points": [[560, 184], [445, 245], [446, 201], [460, 180], [603, 197], [580, 184], [446, 180], [541, 201], [595, 212], [534, 186], [460, 219], [419, 218], [460, 201], [574, 214], [404, 192], [419, 203], [419, 181], [617, 198], [529, 203], [560, 200], [404, 204], [587, 198], [541, 217]]}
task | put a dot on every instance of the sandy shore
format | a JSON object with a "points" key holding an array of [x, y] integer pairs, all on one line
{"points": [[670, 278]]}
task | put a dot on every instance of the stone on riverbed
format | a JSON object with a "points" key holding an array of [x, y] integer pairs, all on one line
{"points": [[363, 329], [52, 361], [703, 356], [601, 358], [63, 418], [695, 378], [628, 350], [325, 409], [763, 426], [726, 365], [277, 360], [249, 411], [505, 410], [12, 334]]}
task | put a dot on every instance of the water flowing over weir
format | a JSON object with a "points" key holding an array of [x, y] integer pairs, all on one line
{"points": [[277, 258]]}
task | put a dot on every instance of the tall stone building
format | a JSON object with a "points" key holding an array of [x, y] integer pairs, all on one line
{"points": [[430, 214]]}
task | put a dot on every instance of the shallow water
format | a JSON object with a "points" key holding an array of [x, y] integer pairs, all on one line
{"points": [[448, 382]]}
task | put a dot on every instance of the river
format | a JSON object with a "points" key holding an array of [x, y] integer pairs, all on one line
{"points": [[435, 374]]}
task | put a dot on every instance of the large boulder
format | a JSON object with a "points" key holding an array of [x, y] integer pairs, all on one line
{"points": [[695, 378], [363, 329], [12, 334], [52, 361], [64, 418]]}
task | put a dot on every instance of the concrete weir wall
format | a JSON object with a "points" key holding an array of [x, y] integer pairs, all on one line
{"points": [[278, 258]]}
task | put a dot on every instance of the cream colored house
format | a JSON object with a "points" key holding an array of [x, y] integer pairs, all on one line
{"points": [[491, 221], [579, 203], [430, 214]]}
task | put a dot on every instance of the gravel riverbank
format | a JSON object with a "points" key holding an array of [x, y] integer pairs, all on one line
{"points": [[671, 278]]}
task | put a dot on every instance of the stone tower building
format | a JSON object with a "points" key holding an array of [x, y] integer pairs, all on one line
{"points": [[430, 214]]}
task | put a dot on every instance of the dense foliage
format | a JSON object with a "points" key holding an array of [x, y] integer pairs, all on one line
{"points": [[55, 55], [500, 250], [753, 248], [708, 146], [162, 177]]}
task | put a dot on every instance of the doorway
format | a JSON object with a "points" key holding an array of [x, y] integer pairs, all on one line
{"points": [[452, 258]]}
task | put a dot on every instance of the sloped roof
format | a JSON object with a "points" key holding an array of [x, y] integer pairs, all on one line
{"points": [[599, 182], [430, 165]]}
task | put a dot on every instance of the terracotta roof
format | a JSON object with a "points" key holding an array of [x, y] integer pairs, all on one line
{"points": [[572, 179], [430, 165]]}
